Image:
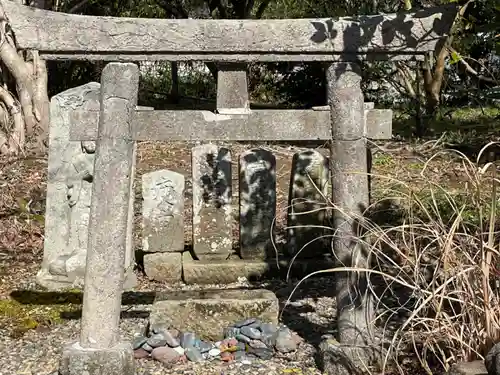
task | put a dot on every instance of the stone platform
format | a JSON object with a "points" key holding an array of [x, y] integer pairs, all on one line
{"points": [[174, 267], [208, 312]]}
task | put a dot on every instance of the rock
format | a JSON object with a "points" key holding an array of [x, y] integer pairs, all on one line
{"points": [[244, 339], [240, 356], [157, 328], [231, 349], [147, 347], [179, 349], [257, 324], [214, 352], [492, 360], [230, 342], [268, 328], [204, 346], [262, 353], [231, 332], [245, 322], [138, 342], [285, 341], [140, 353], [241, 347], [469, 368], [172, 340], [257, 344], [251, 332], [193, 354], [187, 340], [174, 333], [226, 356], [165, 354], [269, 340], [156, 340]]}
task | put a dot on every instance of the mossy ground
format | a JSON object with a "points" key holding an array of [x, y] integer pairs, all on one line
{"points": [[19, 317]]}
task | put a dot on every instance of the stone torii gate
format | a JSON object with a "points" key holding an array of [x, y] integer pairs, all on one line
{"points": [[341, 43]]}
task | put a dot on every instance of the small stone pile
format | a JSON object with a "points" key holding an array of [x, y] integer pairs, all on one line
{"points": [[243, 341]]}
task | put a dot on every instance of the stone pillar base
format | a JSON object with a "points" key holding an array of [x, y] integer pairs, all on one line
{"points": [[113, 361], [337, 359]]}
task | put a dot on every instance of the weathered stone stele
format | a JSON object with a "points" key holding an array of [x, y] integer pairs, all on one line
{"points": [[257, 203], [212, 214], [69, 191], [163, 211], [307, 204], [210, 311]]}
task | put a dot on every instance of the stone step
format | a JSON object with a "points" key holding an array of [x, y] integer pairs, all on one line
{"points": [[174, 267], [208, 312], [228, 271]]}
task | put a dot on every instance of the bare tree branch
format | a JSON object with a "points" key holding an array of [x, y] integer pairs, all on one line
{"points": [[472, 71], [75, 8]]}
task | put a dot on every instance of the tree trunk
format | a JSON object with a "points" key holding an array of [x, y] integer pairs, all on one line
{"points": [[23, 115]]}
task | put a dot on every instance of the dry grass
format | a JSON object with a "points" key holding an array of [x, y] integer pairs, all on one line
{"points": [[434, 247]]}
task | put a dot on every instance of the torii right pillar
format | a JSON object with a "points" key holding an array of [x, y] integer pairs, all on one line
{"points": [[352, 351]]}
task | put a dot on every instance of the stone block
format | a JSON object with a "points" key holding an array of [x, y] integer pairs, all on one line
{"points": [[212, 193], [221, 271], [118, 360], [163, 211], [307, 202], [165, 267], [232, 89], [257, 203], [468, 368], [208, 312]]}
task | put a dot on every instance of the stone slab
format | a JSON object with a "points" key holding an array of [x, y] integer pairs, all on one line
{"points": [[212, 194], [257, 125], [308, 205], [257, 203], [228, 271], [208, 312], [163, 211], [57, 36], [118, 360], [232, 89], [166, 267]]}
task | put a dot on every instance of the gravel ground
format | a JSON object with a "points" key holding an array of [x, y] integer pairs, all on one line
{"points": [[309, 313]]}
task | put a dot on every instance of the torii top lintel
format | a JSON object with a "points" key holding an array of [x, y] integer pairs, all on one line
{"points": [[61, 36]]}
